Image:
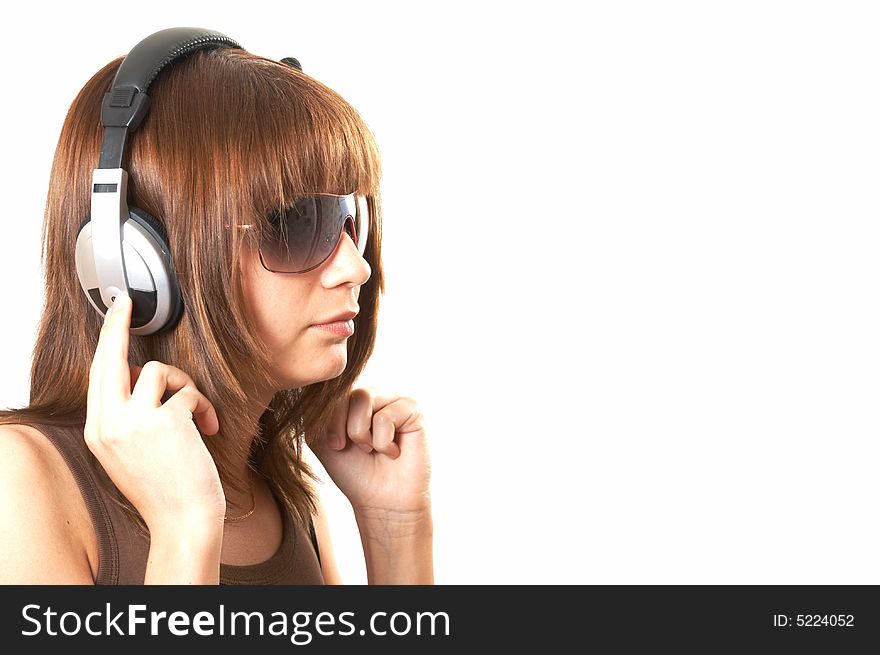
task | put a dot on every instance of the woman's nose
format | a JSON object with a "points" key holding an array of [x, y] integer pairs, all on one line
{"points": [[346, 264]]}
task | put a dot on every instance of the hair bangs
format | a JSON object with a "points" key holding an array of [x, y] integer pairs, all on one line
{"points": [[304, 138]]}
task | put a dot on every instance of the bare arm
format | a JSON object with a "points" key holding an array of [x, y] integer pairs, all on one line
{"points": [[325, 545], [37, 542], [40, 542]]}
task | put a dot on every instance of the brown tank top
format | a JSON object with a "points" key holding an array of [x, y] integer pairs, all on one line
{"points": [[123, 551]]}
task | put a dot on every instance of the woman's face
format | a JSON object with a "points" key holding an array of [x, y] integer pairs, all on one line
{"points": [[285, 308]]}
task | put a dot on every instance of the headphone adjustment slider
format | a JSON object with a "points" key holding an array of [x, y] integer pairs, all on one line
{"points": [[124, 107]]}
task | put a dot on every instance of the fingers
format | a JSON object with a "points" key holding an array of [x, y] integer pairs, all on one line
{"points": [[109, 376], [157, 379], [336, 430], [399, 416], [375, 419], [112, 381], [383, 435], [360, 419], [197, 406]]}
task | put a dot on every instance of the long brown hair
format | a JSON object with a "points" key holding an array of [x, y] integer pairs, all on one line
{"points": [[230, 137]]}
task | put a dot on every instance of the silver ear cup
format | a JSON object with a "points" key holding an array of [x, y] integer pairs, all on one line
{"points": [[151, 277]]}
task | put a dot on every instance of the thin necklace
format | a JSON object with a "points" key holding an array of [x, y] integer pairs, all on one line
{"points": [[244, 516]]}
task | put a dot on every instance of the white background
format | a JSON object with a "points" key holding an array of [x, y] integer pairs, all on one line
{"points": [[632, 270]]}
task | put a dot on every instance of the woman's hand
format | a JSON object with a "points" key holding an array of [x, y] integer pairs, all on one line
{"points": [[152, 451], [376, 452]]}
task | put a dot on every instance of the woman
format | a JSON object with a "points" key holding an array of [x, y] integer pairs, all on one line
{"points": [[176, 456]]}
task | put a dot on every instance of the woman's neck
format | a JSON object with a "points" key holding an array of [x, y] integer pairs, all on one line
{"points": [[240, 501]]}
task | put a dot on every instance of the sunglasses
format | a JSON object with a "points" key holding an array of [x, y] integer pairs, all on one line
{"points": [[303, 236]]}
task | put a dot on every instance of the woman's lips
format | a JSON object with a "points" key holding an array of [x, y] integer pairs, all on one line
{"points": [[340, 328]]}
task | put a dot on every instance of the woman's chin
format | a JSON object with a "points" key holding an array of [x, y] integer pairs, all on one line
{"points": [[329, 369]]}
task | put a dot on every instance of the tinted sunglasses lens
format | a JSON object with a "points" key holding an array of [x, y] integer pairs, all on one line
{"points": [[307, 234]]}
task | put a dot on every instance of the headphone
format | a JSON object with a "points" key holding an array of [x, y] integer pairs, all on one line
{"points": [[121, 248]]}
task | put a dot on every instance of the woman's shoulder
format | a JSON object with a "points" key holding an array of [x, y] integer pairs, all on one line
{"points": [[44, 500]]}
